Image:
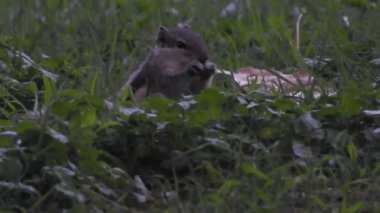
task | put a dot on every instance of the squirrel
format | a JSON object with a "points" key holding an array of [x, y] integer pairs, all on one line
{"points": [[177, 65]]}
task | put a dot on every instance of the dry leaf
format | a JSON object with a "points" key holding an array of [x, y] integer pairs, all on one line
{"points": [[275, 80]]}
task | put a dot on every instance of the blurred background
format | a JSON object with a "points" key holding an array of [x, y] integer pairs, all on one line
{"points": [[80, 38]]}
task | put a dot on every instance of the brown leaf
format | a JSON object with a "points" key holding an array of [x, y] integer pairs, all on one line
{"points": [[272, 79]]}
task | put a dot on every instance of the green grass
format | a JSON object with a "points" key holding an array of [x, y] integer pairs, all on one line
{"points": [[229, 152]]}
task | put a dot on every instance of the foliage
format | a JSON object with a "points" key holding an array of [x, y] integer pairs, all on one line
{"points": [[66, 143]]}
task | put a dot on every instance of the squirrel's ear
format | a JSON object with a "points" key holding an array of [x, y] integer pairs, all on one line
{"points": [[161, 36]]}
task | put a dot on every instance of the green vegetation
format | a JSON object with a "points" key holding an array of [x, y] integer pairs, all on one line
{"points": [[61, 147]]}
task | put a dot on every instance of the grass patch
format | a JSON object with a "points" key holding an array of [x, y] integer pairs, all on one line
{"points": [[61, 147]]}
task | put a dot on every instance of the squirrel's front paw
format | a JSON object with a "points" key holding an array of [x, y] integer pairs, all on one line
{"points": [[205, 70], [196, 68], [208, 69]]}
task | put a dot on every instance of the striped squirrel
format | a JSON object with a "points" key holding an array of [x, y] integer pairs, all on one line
{"points": [[177, 65]]}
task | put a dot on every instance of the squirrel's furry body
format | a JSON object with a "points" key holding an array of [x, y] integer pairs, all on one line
{"points": [[178, 65]]}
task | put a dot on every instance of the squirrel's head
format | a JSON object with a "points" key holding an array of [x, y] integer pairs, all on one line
{"points": [[185, 40]]}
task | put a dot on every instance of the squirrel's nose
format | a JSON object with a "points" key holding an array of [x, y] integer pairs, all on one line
{"points": [[203, 59]]}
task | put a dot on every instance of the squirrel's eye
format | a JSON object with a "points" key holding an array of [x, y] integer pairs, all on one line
{"points": [[181, 44]]}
